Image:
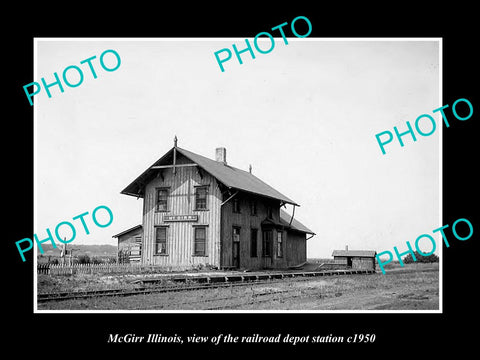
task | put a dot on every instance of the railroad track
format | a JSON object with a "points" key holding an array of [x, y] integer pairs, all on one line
{"points": [[215, 299], [209, 283], [252, 299], [122, 292], [255, 299]]}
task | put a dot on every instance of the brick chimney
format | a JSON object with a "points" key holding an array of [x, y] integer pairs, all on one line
{"points": [[221, 155]]}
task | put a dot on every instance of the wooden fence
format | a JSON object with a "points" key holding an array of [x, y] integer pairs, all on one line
{"points": [[51, 269]]}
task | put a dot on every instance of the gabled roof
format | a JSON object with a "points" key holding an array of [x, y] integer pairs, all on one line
{"points": [[228, 175], [361, 253]]}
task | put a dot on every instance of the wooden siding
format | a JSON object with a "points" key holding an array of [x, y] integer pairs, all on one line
{"points": [[294, 246], [340, 260], [180, 234], [128, 243], [357, 262], [219, 221], [125, 240], [363, 263]]}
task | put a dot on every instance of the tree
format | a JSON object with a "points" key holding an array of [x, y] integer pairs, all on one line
{"points": [[83, 259], [123, 256], [421, 259], [95, 260]]}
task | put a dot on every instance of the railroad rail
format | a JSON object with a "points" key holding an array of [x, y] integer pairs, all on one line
{"points": [[248, 277], [189, 283]]}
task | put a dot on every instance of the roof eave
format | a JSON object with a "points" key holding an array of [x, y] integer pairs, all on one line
{"points": [[131, 194], [127, 231], [302, 231], [263, 195], [128, 191], [143, 174]]}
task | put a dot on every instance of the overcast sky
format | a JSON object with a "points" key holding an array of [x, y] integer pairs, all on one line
{"points": [[305, 116]]}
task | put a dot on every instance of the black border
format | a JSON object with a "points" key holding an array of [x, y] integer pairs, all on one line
{"points": [[401, 333]]}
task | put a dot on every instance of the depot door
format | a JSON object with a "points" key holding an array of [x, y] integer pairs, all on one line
{"points": [[236, 254], [267, 240], [236, 248]]}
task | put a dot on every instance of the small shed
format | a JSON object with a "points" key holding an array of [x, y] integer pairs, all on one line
{"points": [[130, 245], [355, 259]]}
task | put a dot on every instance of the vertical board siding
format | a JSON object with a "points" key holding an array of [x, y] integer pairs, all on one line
{"points": [[180, 235], [124, 241], [127, 243], [363, 263], [219, 221], [296, 249], [294, 246]]}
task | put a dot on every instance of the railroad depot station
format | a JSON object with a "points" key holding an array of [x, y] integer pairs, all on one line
{"points": [[203, 212]]}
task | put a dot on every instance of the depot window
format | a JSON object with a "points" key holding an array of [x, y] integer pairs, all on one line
{"points": [[279, 244], [200, 241], [201, 196], [161, 240], [162, 199]]}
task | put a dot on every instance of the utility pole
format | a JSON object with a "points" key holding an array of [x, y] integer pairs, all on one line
{"points": [[63, 253]]}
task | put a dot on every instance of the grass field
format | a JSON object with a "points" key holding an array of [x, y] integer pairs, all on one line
{"points": [[415, 287]]}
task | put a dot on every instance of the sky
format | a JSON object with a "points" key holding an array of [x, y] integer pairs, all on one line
{"points": [[304, 116]]}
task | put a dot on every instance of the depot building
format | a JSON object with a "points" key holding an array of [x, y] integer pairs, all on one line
{"points": [[198, 211]]}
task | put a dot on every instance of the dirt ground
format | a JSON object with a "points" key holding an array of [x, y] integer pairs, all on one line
{"points": [[417, 288]]}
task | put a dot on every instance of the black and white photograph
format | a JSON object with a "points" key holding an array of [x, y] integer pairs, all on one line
{"points": [[285, 184], [250, 189]]}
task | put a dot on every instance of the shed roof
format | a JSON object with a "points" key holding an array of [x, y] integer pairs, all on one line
{"points": [[360, 253], [127, 231], [296, 225], [228, 175]]}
